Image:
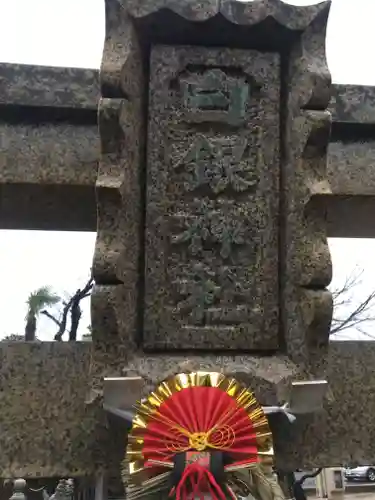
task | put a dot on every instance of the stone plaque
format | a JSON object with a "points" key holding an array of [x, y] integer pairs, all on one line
{"points": [[211, 277]]}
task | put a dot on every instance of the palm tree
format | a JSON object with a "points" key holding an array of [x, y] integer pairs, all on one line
{"points": [[38, 300]]}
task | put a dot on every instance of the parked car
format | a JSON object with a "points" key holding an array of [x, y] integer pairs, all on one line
{"points": [[363, 473]]}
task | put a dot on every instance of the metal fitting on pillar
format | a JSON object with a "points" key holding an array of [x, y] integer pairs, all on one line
{"points": [[305, 397], [120, 394]]}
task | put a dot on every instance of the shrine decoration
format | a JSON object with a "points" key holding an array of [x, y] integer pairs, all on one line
{"points": [[200, 434]]}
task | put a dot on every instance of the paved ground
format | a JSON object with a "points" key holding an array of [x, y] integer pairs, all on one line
{"points": [[361, 496], [358, 484], [370, 495]]}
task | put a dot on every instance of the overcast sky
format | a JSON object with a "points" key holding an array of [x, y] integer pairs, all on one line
{"points": [[71, 33]]}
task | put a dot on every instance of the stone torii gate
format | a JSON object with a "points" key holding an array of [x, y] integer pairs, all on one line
{"points": [[184, 86]]}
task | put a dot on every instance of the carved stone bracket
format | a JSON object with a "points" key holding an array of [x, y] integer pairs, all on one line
{"points": [[118, 254], [306, 262]]}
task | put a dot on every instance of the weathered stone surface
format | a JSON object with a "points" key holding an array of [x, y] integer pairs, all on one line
{"points": [[118, 250], [115, 321], [47, 411], [351, 155], [121, 72], [49, 153], [353, 104], [269, 377], [115, 352], [47, 173], [306, 266], [349, 216], [118, 185], [56, 206], [74, 428], [291, 16], [118, 192], [50, 147], [344, 433], [212, 200], [350, 167], [44, 86], [43, 415], [47, 207]]}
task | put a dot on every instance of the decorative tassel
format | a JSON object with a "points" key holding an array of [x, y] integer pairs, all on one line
{"points": [[195, 480]]}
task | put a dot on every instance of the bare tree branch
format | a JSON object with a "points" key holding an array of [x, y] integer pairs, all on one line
{"points": [[64, 319], [76, 311], [360, 314], [50, 316], [72, 305]]}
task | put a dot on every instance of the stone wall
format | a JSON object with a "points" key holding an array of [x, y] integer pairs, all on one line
{"points": [[52, 425]]}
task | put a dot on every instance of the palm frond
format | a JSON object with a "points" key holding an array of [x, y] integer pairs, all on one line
{"points": [[39, 299]]}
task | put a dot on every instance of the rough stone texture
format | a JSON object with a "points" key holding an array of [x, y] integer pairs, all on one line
{"points": [[351, 155], [46, 429], [344, 433], [269, 377], [353, 104], [37, 160], [26, 85], [47, 411], [114, 319], [234, 11], [118, 256], [350, 167], [49, 153], [350, 216], [306, 264], [65, 419], [306, 305], [50, 147], [118, 185], [118, 192], [65, 203], [212, 200], [47, 207]]}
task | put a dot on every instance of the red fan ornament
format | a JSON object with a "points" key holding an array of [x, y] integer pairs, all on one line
{"points": [[210, 422]]}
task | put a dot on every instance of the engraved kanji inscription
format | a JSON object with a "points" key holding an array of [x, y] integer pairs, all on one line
{"points": [[212, 223], [215, 90], [198, 293], [212, 211], [207, 297], [218, 163]]}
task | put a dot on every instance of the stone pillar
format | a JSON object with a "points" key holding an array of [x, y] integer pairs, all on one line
{"points": [[118, 259], [210, 242], [305, 261]]}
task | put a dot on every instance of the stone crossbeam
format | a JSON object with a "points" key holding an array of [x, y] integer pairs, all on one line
{"points": [[50, 149]]}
